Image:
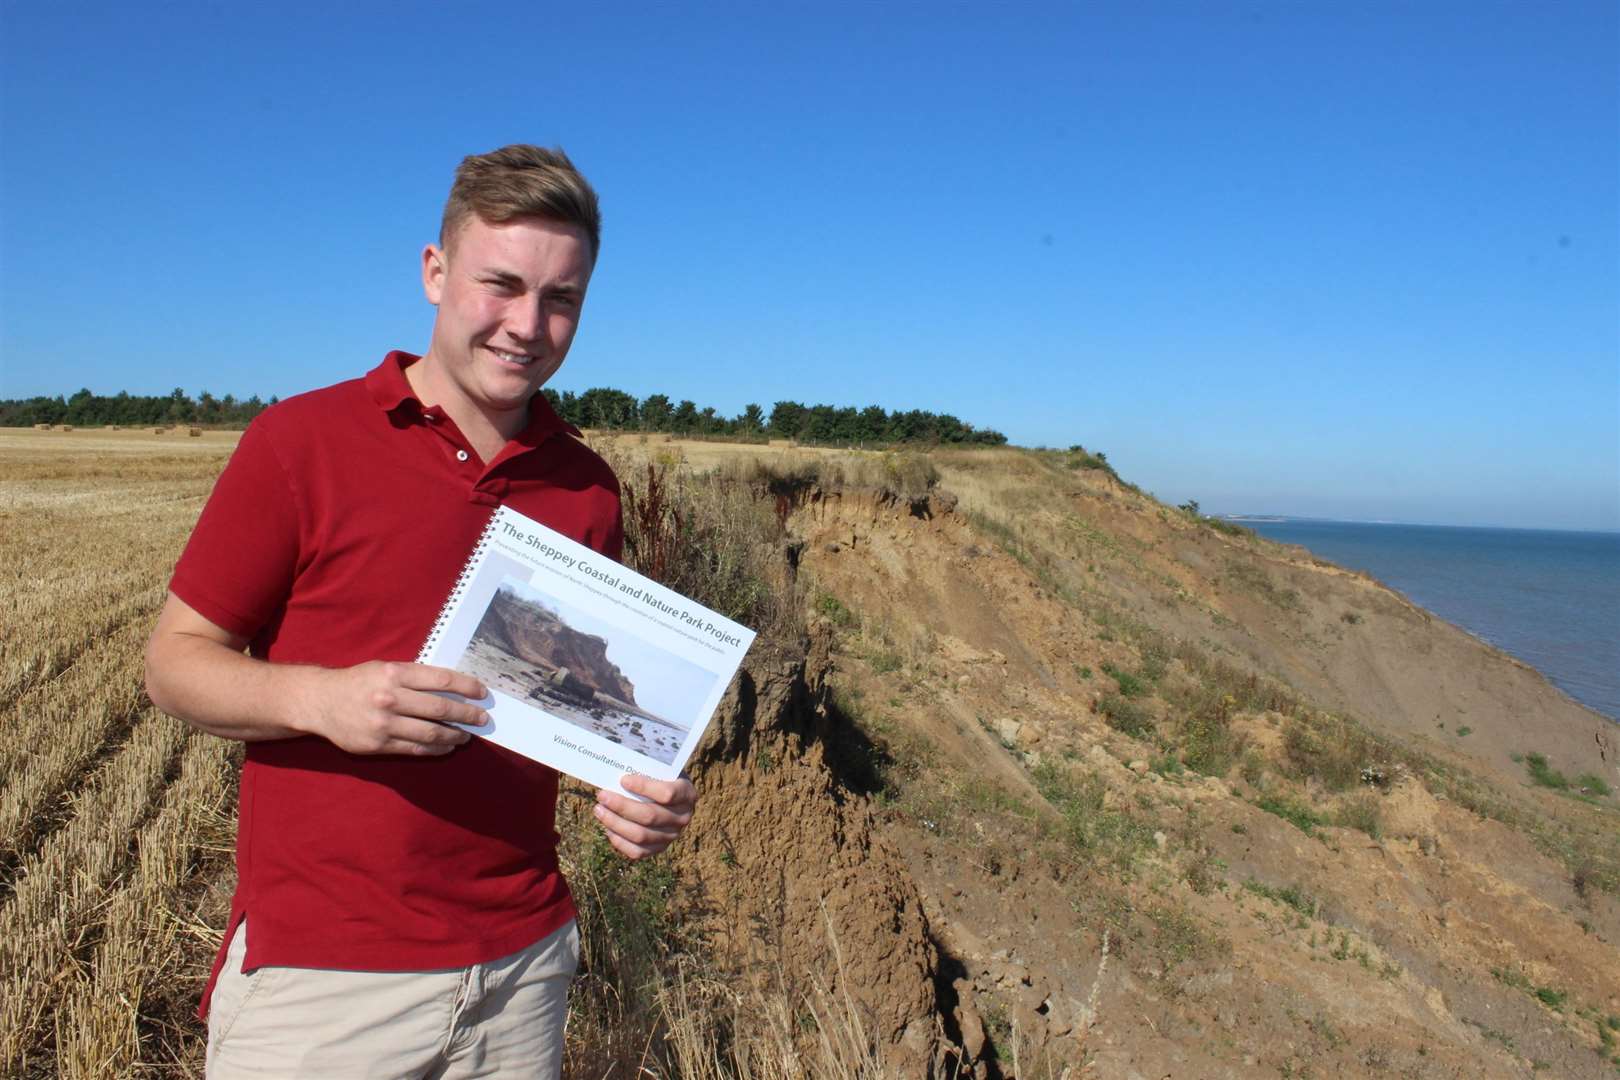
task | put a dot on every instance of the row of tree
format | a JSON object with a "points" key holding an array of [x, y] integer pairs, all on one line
{"points": [[616, 410], [596, 408], [94, 410]]}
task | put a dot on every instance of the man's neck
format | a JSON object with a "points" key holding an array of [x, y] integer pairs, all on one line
{"points": [[487, 435]]}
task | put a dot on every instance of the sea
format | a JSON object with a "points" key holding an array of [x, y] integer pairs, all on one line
{"points": [[1550, 598]]}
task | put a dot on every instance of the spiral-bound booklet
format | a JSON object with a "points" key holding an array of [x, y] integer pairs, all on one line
{"points": [[591, 668]]}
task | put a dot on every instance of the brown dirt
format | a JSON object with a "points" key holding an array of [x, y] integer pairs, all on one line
{"points": [[971, 652], [794, 885]]}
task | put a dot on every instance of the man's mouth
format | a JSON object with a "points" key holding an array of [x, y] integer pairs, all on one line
{"points": [[520, 359]]}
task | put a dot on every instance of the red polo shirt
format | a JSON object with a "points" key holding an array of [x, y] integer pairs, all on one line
{"points": [[333, 537]]}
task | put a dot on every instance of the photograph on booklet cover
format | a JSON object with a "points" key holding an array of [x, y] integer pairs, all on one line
{"points": [[591, 668], [577, 668]]}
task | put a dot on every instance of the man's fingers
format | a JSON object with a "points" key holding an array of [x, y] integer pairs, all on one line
{"points": [[666, 820], [415, 749], [443, 710], [422, 737], [677, 795], [629, 850], [632, 838], [441, 679]]}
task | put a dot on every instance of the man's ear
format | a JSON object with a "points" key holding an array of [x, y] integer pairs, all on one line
{"points": [[435, 265]]}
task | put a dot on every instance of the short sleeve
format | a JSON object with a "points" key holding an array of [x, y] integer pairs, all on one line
{"points": [[237, 569]]}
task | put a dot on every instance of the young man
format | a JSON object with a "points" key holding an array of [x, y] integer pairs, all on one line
{"points": [[399, 910]]}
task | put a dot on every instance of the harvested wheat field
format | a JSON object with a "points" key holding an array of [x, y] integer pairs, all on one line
{"points": [[115, 821]]}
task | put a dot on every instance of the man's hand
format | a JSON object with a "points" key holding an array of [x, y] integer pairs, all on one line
{"points": [[639, 829], [392, 708], [195, 670]]}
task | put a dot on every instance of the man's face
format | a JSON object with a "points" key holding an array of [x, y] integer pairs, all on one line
{"points": [[509, 298]]}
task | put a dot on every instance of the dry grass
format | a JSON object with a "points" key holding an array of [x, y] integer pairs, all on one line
{"points": [[111, 814], [648, 1004], [720, 1032]]}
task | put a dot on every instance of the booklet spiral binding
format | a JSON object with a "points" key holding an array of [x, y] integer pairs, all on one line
{"points": [[460, 587]]}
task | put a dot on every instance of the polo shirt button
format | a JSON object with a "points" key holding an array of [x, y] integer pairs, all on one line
{"points": [[461, 455]]}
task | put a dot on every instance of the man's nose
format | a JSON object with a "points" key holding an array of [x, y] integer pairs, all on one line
{"points": [[526, 320]]}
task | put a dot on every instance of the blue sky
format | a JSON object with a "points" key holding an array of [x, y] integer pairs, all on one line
{"points": [[1354, 260]]}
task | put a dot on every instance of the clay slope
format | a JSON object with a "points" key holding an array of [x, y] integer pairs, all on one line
{"points": [[537, 636], [1091, 784], [791, 879]]}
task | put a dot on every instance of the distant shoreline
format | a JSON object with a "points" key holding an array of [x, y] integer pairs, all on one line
{"points": [[1290, 519]]}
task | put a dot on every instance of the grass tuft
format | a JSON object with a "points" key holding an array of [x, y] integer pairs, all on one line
{"points": [[1293, 896], [1292, 811], [1361, 812], [1543, 774], [1126, 716], [1593, 784], [1089, 827]]}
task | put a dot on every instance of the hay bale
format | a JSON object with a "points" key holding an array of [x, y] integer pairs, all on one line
{"points": [[194, 432], [42, 427], [158, 430], [67, 427]]}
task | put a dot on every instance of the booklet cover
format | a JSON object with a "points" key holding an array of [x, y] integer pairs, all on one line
{"points": [[592, 668]]}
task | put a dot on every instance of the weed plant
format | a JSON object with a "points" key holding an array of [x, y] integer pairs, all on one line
{"points": [[1291, 810], [892, 759], [884, 660], [833, 610], [1293, 896], [1543, 774], [1327, 748], [1593, 784], [648, 1003], [1126, 716], [1129, 685], [1208, 743], [1361, 812], [1088, 827]]}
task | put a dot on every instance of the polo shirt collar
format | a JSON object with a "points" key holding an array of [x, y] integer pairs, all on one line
{"points": [[388, 387]]}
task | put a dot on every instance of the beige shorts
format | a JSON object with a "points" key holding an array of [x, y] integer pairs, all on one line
{"points": [[504, 1018]]}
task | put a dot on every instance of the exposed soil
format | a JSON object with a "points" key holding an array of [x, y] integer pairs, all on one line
{"points": [[964, 655]]}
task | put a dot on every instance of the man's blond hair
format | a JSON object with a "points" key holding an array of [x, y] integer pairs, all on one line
{"points": [[521, 181]]}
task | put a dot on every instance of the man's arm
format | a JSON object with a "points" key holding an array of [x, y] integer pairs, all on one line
{"points": [[196, 671]]}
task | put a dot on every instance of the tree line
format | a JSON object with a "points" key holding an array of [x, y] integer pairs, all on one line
{"points": [[599, 407], [834, 425], [85, 409]]}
